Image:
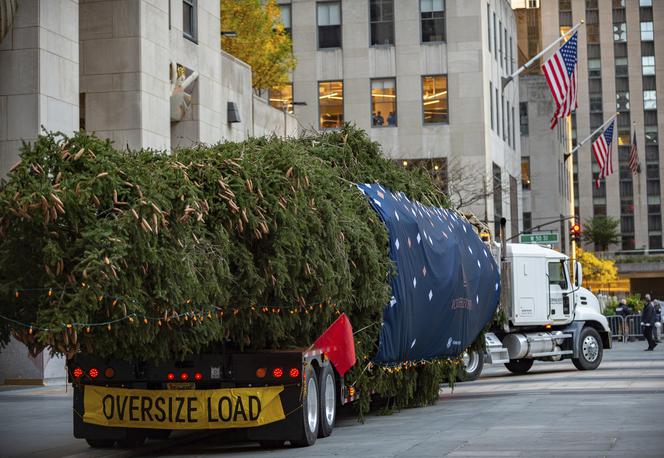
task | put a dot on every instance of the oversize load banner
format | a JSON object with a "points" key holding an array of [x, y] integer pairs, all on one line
{"points": [[183, 409]]}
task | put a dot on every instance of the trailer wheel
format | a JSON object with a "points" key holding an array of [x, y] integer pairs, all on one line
{"points": [[590, 350], [328, 401], [310, 410], [100, 443], [519, 366], [473, 363]]}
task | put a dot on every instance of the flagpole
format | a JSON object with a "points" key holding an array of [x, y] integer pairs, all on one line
{"points": [[580, 144], [506, 80]]}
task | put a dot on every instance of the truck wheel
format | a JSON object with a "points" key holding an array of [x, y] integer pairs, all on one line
{"points": [[519, 366], [328, 401], [473, 363], [100, 443], [310, 411], [590, 350]]}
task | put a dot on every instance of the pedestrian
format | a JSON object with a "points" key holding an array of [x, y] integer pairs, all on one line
{"points": [[624, 311], [648, 323]]}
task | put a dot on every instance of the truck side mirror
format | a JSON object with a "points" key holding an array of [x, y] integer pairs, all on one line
{"points": [[578, 274]]}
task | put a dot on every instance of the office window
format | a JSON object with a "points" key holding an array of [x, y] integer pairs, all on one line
{"points": [[622, 101], [381, 18], [488, 25], [503, 114], [495, 40], [594, 68], [525, 172], [491, 101], [618, 4], [527, 221], [648, 65], [649, 100], [285, 12], [329, 24], [506, 50], [646, 31], [500, 49], [331, 104], [189, 23], [514, 206], [523, 118], [511, 57], [645, 2], [621, 66], [595, 103], [509, 125], [620, 32], [497, 113], [281, 97], [513, 130], [432, 15], [434, 99], [383, 103], [651, 135], [497, 198]]}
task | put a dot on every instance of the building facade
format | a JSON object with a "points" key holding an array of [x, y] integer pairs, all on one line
{"points": [[621, 69], [423, 78]]}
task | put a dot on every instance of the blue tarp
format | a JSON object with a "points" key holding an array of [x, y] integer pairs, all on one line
{"points": [[447, 285]]}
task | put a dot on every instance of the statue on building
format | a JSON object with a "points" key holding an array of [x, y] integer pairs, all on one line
{"points": [[7, 13], [181, 99]]}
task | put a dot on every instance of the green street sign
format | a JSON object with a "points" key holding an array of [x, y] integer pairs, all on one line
{"points": [[539, 237]]}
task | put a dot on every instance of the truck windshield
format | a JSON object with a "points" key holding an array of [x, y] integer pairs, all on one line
{"points": [[557, 274]]}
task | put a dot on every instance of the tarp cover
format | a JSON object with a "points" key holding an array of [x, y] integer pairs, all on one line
{"points": [[447, 284]]}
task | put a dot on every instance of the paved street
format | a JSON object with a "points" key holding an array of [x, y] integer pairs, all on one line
{"points": [[617, 410]]}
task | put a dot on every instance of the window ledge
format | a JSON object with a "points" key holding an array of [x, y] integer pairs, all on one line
{"points": [[384, 46], [330, 48], [190, 38], [433, 43]]}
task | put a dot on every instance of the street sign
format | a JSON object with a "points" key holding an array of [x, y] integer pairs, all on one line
{"points": [[539, 237]]}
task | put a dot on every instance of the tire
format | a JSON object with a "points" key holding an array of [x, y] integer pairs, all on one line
{"points": [[473, 363], [135, 438], [159, 434], [519, 366], [310, 411], [100, 443], [590, 350], [327, 401]]}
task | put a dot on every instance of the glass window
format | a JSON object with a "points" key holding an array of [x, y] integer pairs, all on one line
{"points": [[501, 47], [592, 33], [527, 221], [497, 197], [285, 12], [620, 32], [523, 117], [557, 274], [649, 100], [495, 41], [525, 172], [432, 14], [488, 24], [594, 68], [329, 25], [646, 31], [595, 103], [651, 135], [491, 101], [645, 2], [383, 103], [497, 113], [281, 97], [189, 10], [509, 125], [381, 18], [648, 65], [434, 99], [618, 3], [331, 104]]}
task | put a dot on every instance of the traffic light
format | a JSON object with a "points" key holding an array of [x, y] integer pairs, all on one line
{"points": [[575, 232]]}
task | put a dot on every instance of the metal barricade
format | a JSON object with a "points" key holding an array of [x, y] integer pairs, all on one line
{"points": [[634, 325], [617, 326]]}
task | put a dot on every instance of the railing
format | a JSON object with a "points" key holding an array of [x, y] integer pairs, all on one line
{"points": [[623, 328]]}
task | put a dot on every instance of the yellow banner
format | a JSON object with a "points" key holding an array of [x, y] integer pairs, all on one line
{"points": [[183, 409]]}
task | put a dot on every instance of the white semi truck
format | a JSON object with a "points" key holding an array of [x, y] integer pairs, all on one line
{"points": [[546, 316]]}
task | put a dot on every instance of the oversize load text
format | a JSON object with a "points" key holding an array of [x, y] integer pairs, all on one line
{"points": [[182, 409]]}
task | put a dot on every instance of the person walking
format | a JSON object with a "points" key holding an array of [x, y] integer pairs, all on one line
{"points": [[648, 323], [624, 311]]}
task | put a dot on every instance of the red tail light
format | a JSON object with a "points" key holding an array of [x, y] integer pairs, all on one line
{"points": [[198, 376], [109, 372], [277, 372], [93, 373], [184, 376], [78, 372], [294, 372], [170, 376]]}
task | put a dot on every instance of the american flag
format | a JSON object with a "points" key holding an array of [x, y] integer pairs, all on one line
{"points": [[634, 157], [560, 73], [602, 151]]}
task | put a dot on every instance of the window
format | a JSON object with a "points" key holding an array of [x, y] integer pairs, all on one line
{"points": [[592, 33], [620, 32], [434, 99], [514, 206], [621, 66], [509, 125], [383, 103], [497, 113], [500, 49], [525, 172], [646, 31], [645, 2], [595, 103], [189, 23], [503, 112], [506, 49], [557, 274], [523, 118], [651, 135], [281, 97], [495, 42], [331, 104], [648, 65], [527, 221], [594, 68], [329, 25], [488, 25], [382, 22], [511, 57], [649, 100], [432, 14], [618, 3], [513, 130], [285, 12], [497, 198], [491, 101]]}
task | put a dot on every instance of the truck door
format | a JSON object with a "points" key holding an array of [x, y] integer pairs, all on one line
{"points": [[559, 302]]}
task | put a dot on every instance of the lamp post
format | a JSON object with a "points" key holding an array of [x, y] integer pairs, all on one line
{"points": [[285, 110]]}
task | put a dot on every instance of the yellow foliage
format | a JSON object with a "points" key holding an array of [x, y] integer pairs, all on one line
{"points": [[595, 269], [261, 40]]}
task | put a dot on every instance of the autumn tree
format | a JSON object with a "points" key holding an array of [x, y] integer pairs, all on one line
{"points": [[261, 40], [602, 231], [595, 269]]}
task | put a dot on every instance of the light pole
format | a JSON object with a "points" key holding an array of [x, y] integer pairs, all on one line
{"points": [[285, 111]]}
